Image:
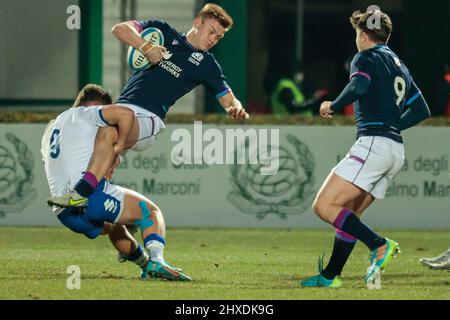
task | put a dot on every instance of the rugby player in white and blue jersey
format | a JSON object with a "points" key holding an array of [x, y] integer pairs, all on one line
{"points": [[67, 146], [182, 64], [386, 102]]}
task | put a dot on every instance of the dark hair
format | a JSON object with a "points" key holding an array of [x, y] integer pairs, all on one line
{"points": [[359, 20], [92, 93], [211, 10]]}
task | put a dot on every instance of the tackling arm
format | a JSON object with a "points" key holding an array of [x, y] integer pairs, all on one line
{"points": [[123, 118]]}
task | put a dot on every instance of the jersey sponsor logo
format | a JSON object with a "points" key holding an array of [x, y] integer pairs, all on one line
{"points": [[196, 58], [110, 205], [170, 67]]}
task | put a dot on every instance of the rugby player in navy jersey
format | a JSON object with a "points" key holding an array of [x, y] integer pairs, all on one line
{"points": [[386, 102], [182, 64]]}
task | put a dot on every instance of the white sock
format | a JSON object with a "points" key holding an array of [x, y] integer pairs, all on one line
{"points": [[155, 248]]}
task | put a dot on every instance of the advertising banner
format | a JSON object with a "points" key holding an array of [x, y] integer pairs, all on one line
{"points": [[219, 184]]}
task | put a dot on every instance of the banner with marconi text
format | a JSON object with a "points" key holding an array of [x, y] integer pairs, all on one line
{"points": [[220, 188]]}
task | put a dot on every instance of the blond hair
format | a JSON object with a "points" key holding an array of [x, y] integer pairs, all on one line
{"points": [[92, 93], [211, 10]]}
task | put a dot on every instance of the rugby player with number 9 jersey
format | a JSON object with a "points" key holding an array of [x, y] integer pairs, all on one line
{"points": [[386, 101]]}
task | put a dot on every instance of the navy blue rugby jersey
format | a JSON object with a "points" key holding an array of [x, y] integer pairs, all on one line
{"points": [[390, 91], [157, 88]]}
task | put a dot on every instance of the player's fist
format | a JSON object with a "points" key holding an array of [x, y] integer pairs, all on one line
{"points": [[155, 54], [119, 147], [238, 113], [325, 109]]}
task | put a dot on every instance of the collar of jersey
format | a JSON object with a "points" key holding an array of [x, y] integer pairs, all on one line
{"points": [[183, 37]]}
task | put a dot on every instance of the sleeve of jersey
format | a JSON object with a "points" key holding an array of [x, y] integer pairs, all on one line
{"points": [[413, 94], [145, 24], [215, 81], [362, 65], [354, 90], [95, 115], [417, 109]]}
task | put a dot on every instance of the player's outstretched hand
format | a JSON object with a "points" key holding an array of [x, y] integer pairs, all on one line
{"points": [[238, 113], [325, 109], [155, 54]]}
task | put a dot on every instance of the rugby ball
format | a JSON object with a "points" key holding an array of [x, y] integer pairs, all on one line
{"points": [[136, 60]]}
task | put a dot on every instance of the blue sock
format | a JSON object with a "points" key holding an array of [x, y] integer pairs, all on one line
{"points": [[139, 257], [154, 237], [348, 222], [86, 186], [342, 248]]}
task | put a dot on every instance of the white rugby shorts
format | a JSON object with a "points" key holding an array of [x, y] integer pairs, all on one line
{"points": [[371, 164], [150, 125]]}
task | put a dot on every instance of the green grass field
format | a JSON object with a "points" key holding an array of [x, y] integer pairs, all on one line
{"points": [[224, 263]]}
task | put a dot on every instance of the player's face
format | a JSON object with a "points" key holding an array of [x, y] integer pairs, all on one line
{"points": [[208, 33]]}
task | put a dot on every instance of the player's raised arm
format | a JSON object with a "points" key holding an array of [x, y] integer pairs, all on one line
{"points": [[233, 106], [128, 32]]}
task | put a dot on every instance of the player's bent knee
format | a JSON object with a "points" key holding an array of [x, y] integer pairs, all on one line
{"points": [[321, 209], [146, 220], [158, 215], [317, 206]]}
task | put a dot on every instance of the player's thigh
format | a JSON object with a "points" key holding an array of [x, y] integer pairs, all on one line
{"points": [[136, 206], [149, 128], [398, 158], [336, 191]]}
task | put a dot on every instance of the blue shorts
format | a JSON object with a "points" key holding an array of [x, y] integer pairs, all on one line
{"points": [[76, 220], [105, 205]]}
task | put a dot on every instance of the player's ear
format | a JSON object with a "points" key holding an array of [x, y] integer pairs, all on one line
{"points": [[364, 36], [197, 22]]}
